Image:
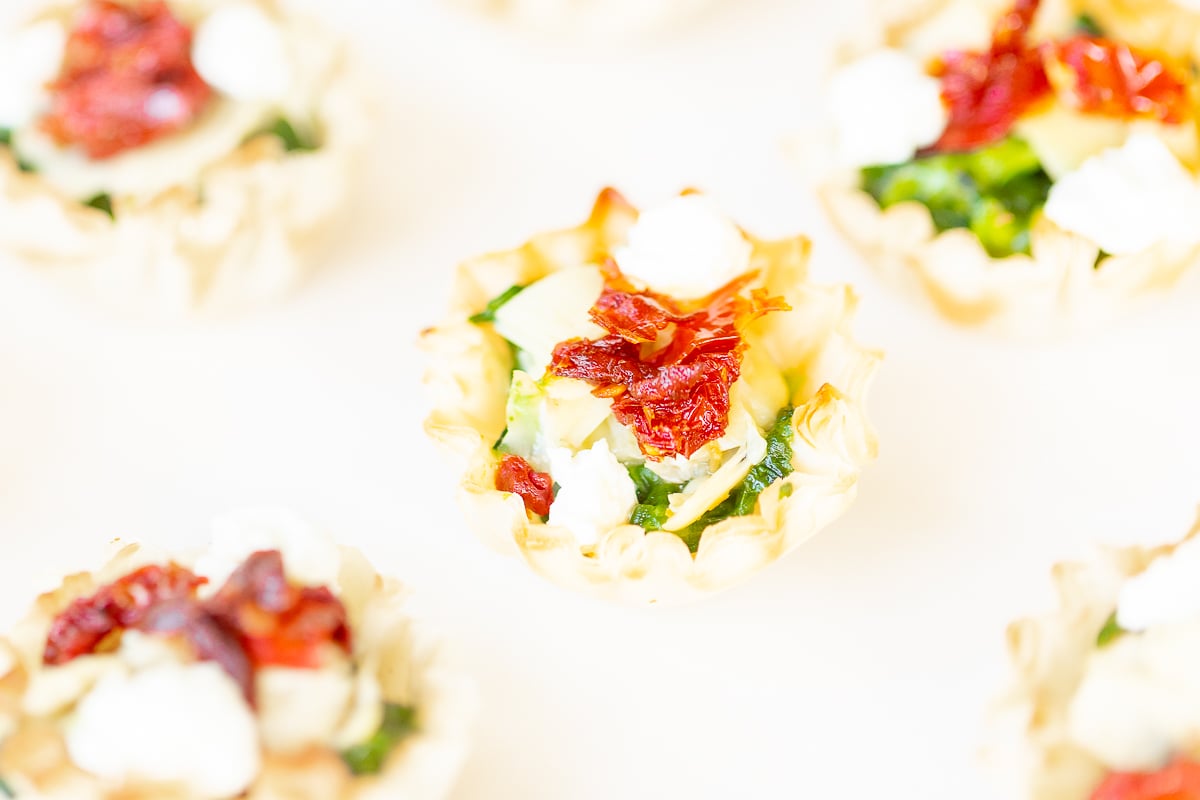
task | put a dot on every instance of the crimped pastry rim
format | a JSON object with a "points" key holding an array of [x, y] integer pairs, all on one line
{"points": [[467, 372]]}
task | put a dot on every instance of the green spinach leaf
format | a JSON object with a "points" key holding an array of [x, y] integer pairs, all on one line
{"points": [[368, 758], [101, 202], [995, 192], [652, 491], [1110, 632], [489, 312]]}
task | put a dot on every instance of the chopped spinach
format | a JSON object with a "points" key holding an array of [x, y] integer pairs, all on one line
{"points": [[1111, 631], [101, 202], [652, 491], [6, 136], [1086, 25], [6, 790], [995, 192], [293, 141], [489, 312], [368, 757]]}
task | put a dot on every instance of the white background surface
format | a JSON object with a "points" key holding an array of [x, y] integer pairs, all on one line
{"points": [[859, 667]]}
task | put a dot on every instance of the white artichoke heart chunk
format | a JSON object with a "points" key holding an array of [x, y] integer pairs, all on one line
{"points": [[241, 53], [595, 492], [184, 724], [884, 108], [29, 59], [1139, 700], [686, 248], [1167, 592], [550, 414], [741, 448], [299, 708], [552, 310], [1128, 199]]}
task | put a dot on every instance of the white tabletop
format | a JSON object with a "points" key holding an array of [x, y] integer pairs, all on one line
{"points": [[859, 667]]}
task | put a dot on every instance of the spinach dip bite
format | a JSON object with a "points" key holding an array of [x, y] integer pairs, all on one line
{"points": [[1024, 167], [172, 154], [1107, 693], [650, 406], [276, 665]]}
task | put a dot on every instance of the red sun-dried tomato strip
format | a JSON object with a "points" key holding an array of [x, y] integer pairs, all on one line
{"points": [[88, 621], [536, 489], [668, 365], [127, 79], [256, 620], [987, 92], [277, 623], [1117, 80], [1179, 780]]}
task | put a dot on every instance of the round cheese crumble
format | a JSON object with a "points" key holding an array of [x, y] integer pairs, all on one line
{"points": [[884, 108], [241, 53], [1128, 199], [172, 723], [686, 248]]}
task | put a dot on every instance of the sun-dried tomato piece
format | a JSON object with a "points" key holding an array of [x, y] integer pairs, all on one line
{"points": [[209, 639], [127, 79], [1115, 79], [88, 621], [1179, 780], [987, 92], [516, 475], [277, 623], [668, 365]]}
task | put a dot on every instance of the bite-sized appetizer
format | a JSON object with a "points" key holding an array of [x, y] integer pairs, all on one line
{"points": [[651, 406], [275, 665], [1108, 687], [173, 154], [591, 16], [1020, 166]]}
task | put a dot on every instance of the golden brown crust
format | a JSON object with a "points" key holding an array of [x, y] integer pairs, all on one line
{"points": [[236, 236], [1049, 655], [1057, 288], [410, 669], [468, 378]]}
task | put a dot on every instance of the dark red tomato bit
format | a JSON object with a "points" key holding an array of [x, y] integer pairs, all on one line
{"points": [[88, 621], [127, 79], [987, 92], [1115, 79], [1179, 780], [279, 624], [667, 365], [209, 639], [536, 489]]}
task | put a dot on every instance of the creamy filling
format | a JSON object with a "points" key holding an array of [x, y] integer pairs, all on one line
{"points": [[237, 49], [1128, 199], [686, 248], [884, 109]]}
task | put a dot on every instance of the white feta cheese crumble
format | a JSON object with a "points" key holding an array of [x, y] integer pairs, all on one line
{"points": [[173, 723], [1139, 699], [309, 557], [1167, 592], [687, 248], [1129, 198], [29, 60], [241, 53], [595, 492], [884, 108]]}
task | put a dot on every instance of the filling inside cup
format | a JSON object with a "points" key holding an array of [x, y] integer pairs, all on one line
{"points": [[133, 97], [1094, 134]]}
